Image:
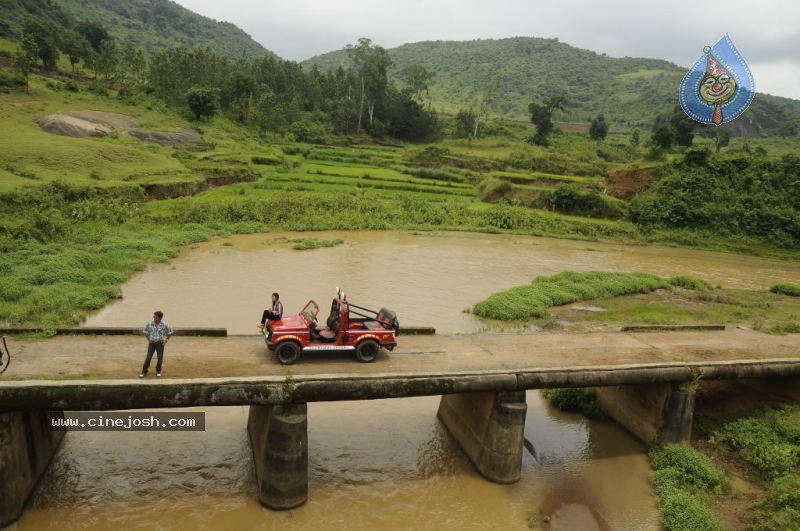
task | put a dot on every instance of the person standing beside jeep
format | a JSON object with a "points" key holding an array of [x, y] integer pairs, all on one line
{"points": [[158, 333]]}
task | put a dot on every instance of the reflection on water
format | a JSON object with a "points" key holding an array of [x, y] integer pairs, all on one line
{"points": [[385, 464]]}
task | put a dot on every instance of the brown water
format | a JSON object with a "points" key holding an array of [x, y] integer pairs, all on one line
{"points": [[429, 279], [384, 464]]}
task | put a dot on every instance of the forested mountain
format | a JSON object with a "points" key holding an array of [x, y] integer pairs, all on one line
{"points": [[153, 25], [630, 92]]}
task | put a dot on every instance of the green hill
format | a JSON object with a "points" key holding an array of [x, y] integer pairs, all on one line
{"points": [[629, 91], [152, 25]]}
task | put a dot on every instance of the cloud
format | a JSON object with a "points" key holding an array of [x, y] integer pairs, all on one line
{"points": [[765, 32]]}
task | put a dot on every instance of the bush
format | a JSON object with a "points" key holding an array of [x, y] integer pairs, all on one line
{"points": [[9, 80], [578, 400], [267, 161], [682, 477], [314, 243], [570, 199], [688, 468], [780, 508], [431, 156], [98, 89], [681, 511], [687, 282], [769, 440], [792, 290], [493, 189]]}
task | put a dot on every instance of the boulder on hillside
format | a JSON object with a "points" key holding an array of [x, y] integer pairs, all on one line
{"points": [[80, 124]]}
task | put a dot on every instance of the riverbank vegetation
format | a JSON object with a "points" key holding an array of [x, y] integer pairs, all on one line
{"points": [[758, 447], [638, 298], [688, 485], [524, 302]]}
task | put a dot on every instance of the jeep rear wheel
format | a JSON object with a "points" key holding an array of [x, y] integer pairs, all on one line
{"points": [[367, 351], [288, 352]]}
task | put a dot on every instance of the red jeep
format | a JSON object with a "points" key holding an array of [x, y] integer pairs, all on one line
{"points": [[349, 327]]}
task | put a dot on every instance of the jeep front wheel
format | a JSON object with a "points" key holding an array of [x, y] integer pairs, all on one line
{"points": [[367, 351], [288, 352]]}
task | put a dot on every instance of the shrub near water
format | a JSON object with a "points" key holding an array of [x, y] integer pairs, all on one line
{"points": [[770, 440], [792, 290], [579, 400], [524, 302], [780, 509], [684, 479]]}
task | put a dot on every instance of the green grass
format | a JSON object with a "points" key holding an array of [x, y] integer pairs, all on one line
{"points": [[757, 309], [687, 484], [524, 302]]}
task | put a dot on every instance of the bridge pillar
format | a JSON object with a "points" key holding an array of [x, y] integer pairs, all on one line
{"points": [[279, 438], [26, 446], [660, 413], [490, 428]]}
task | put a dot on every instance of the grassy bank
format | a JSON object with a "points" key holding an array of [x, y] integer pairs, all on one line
{"points": [[523, 302], [637, 298]]}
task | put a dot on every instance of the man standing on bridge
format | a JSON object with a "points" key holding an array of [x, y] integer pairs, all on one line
{"points": [[158, 333]]}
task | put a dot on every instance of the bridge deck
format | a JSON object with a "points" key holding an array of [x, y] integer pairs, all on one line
{"points": [[99, 372]]}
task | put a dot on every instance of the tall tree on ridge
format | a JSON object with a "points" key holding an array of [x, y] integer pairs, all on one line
{"points": [[371, 63]]}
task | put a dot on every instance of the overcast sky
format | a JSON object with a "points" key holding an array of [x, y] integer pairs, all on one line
{"points": [[766, 32]]}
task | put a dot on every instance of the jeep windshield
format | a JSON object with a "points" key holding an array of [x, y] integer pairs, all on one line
{"points": [[309, 312]]}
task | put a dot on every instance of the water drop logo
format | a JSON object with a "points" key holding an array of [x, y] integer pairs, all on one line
{"points": [[719, 87]]}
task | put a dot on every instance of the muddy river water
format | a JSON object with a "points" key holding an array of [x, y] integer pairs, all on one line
{"points": [[385, 464]]}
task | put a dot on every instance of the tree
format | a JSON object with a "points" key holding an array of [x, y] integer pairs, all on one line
{"points": [[636, 137], [599, 128], [133, 64], [106, 62], [465, 123], [483, 107], [45, 34], [681, 125], [75, 46], [371, 63], [721, 138], [542, 116], [94, 33], [202, 101], [240, 96], [684, 127], [663, 137], [26, 58], [416, 78]]}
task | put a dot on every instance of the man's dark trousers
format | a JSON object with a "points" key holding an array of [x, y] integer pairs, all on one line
{"points": [[157, 347]]}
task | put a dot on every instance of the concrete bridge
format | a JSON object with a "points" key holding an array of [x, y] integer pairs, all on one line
{"points": [[645, 381]]}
